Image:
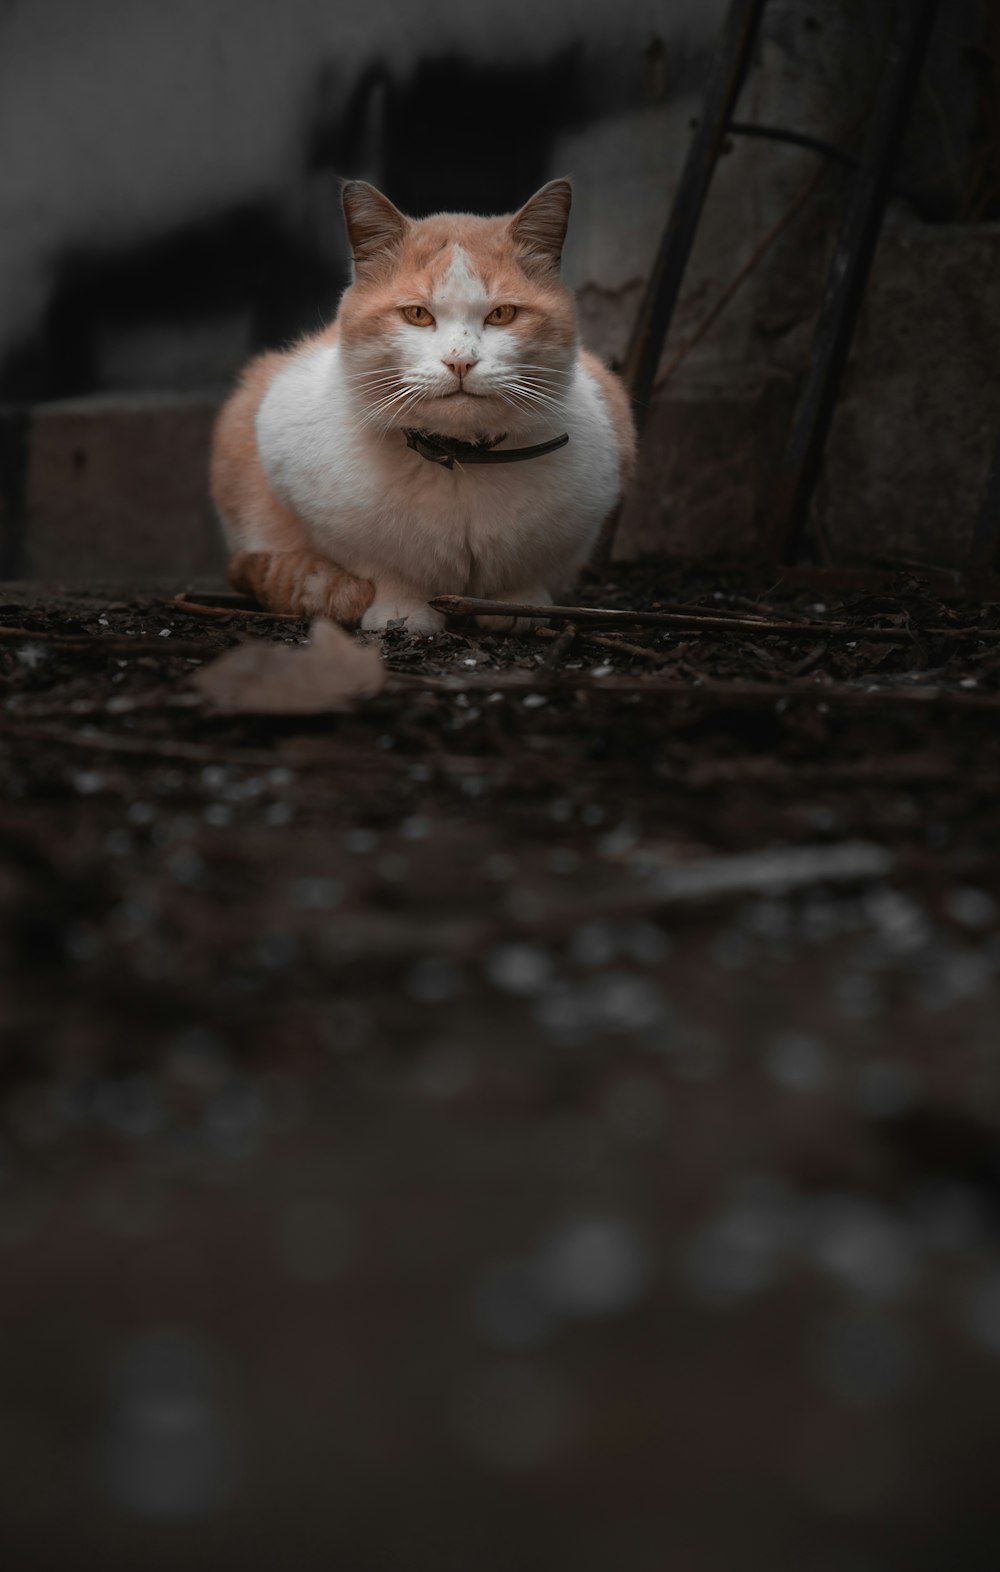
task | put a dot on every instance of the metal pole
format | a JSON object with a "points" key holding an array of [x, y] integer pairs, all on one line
{"points": [[652, 322], [788, 505]]}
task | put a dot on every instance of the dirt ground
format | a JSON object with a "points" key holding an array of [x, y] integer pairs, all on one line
{"points": [[546, 1118]]}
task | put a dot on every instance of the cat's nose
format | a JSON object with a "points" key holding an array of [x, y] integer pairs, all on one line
{"points": [[460, 368]]}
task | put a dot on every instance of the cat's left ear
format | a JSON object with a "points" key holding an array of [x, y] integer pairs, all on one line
{"points": [[539, 229], [374, 226]]}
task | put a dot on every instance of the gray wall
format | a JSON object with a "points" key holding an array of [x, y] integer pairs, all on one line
{"points": [[124, 122]]}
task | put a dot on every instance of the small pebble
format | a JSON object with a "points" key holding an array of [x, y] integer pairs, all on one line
{"points": [[415, 828], [518, 968], [315, 893], [971, 907], [593, 1267], [798, 1062], [433, 980], [360, 841]]}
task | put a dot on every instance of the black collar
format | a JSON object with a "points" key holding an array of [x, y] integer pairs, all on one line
{"points": [[445, 450]]}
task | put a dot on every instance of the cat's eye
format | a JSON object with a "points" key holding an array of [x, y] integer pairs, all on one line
{"points": [[419, 316], [501, 316]]}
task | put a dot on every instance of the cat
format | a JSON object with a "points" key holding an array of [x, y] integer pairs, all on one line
{"points": [[356, 473]]}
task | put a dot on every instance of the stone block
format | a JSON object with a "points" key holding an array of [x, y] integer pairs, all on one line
{"points": [[703, 465], [118, 488], [918, 419]]}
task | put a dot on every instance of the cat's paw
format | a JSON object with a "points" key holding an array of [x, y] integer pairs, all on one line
{"points": [[496, 623], [417, 615], [301, 584]]}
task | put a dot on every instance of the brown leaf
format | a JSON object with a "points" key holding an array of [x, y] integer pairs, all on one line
{"points": [[332, 672]]}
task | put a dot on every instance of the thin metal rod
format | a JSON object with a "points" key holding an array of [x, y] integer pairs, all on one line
{"points": [[836, 155], [15, 443], [984, 553], [652, 322], [812, 144], [788, 505]]}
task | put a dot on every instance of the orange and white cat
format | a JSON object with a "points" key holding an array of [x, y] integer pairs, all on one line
{"points": [[459, 328]]}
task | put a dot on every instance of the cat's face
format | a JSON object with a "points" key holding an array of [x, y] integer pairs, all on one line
{"points": [[456, 324]]}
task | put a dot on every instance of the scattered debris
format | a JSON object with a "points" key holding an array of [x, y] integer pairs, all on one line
{"points": [[776, 871], [333, 672], [591, 1031]]}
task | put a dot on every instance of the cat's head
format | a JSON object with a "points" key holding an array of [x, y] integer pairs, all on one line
{"points": [[457, 324]]}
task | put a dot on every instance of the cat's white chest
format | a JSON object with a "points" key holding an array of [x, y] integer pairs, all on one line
{"points": [[381, 510]]}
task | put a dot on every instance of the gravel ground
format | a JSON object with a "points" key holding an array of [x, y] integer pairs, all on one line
{"points": [[545, 1116]]}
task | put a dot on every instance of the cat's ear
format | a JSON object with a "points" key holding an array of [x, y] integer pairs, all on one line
{"points": [[374, 226], [539, 228]]}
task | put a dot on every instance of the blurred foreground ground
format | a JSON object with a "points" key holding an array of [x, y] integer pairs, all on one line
{"points": [[549, 1118]]}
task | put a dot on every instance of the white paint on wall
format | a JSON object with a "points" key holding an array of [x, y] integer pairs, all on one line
{"points": [[122, 118]]}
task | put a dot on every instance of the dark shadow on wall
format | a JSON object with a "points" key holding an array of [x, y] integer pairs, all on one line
{"points": [[456, 137], [183, 308], [169, 285]]}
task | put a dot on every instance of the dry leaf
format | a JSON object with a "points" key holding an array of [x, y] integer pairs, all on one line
{"points": [[332, 672]]}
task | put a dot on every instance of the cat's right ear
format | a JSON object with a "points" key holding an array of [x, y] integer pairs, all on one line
{"points": [[539, 228], [374, 227]]}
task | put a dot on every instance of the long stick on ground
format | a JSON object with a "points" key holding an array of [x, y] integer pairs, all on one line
{"points": [[694, 621]]}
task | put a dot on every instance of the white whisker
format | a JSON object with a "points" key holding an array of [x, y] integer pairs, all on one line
{"points": [[396, 408], [387, 405], [535, 397], [374, 381]]}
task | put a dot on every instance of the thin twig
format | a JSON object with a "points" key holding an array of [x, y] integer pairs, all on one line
{"points": [[614, 642], [807, 662], [110, 643], [671, 886], [142, 747], [204, 609], [606, 541], [467, 606], [753, 261], [335, 758], [920, 769], [704, 690], [561, 642]]}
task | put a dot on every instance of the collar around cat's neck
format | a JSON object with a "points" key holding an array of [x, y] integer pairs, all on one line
{"points": [[446, 450]]}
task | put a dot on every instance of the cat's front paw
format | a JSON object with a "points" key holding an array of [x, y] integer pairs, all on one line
{"points": [[417, 615], [301, 584]]}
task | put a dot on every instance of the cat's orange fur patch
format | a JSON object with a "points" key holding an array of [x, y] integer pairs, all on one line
{"points": [[301, 583], [239, 485], [289, 576], [619, 408], [423, 259]]}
